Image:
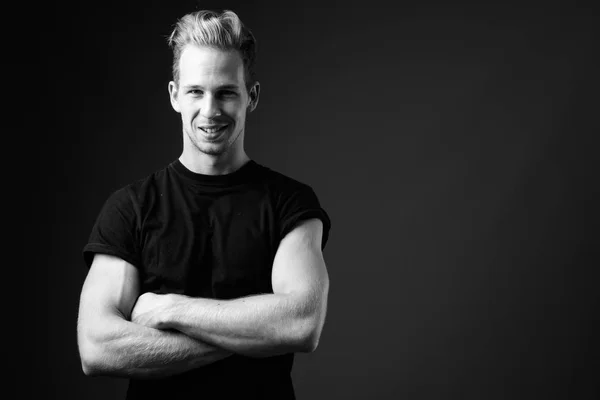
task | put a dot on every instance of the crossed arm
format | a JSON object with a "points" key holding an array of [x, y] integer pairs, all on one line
{"points": [[121, 333]]}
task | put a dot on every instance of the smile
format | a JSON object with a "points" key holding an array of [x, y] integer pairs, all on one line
{"points": [[213, 128]]}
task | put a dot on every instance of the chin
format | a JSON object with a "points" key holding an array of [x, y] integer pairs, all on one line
{"points": [[212, 149]]}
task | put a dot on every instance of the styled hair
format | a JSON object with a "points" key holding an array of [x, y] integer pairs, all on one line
{"points": [[222, 30]]}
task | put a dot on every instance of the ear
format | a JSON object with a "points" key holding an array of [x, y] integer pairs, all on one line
{"points": [[254, 94], [173, 94]]}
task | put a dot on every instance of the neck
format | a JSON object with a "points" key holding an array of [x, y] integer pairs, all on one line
{"points": [[207, 164]]}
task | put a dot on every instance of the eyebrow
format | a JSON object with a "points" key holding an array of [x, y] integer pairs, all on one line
{"points": [[222, 87]]}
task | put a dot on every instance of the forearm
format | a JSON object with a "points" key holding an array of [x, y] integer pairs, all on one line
{"points": [[256, 326], [124, 349]]}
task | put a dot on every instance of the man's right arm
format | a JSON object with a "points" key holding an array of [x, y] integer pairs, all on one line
{"points": [[109, 344]]}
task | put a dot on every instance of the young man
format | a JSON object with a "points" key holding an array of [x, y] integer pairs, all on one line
{"points": [[208, 275]]}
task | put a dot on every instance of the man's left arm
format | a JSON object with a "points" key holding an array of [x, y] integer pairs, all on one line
{"points": [[288, 320]]}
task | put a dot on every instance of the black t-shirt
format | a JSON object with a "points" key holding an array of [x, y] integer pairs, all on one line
{"points": [[211, 236]]}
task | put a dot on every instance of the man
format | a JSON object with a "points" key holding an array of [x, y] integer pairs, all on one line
{"points": [[206, 276]]}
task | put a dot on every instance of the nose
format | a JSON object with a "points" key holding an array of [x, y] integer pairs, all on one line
{"points": [[210, 107]]}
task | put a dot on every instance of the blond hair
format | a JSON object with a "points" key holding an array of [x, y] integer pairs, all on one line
{"points": [[223, 30]]}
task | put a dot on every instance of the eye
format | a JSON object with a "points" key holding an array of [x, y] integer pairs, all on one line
{"points": [[195, 92], [228, 93]]}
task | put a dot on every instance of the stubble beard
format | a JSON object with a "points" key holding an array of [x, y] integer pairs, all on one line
{"points": [[211, 150]]}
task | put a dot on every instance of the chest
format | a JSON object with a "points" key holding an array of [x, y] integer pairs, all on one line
{"points": [[208, 245]]}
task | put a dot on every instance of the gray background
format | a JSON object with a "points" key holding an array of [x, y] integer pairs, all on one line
{"points": [[452, 145]]}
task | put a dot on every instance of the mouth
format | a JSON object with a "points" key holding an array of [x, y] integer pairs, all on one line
{"points": [[213, 129]]}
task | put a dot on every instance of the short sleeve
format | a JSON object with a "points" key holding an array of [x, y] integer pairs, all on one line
{"points": [[114, 231], [301, 203]]}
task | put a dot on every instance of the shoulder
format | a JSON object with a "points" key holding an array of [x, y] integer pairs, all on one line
{"points": [[138, 191], [288, 192], [281, 183], [295, 201]]}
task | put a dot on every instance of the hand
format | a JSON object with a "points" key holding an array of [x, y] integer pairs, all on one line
{"points": [[150, 309]]}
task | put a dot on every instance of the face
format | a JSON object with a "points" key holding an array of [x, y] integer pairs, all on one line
{"points": [[212, 98]]}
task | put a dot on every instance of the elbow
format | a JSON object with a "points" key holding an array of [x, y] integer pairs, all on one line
{"points": [[94, 365], [309, 343], [93, 359], [304, 329], [307, 338], [89, 360], [89, 369], [307, 330]]}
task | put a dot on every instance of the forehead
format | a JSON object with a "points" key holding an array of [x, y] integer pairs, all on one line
{"points": [[204, 65]]}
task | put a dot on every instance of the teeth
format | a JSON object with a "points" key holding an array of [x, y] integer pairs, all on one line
{"points": [[212, 130]]}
